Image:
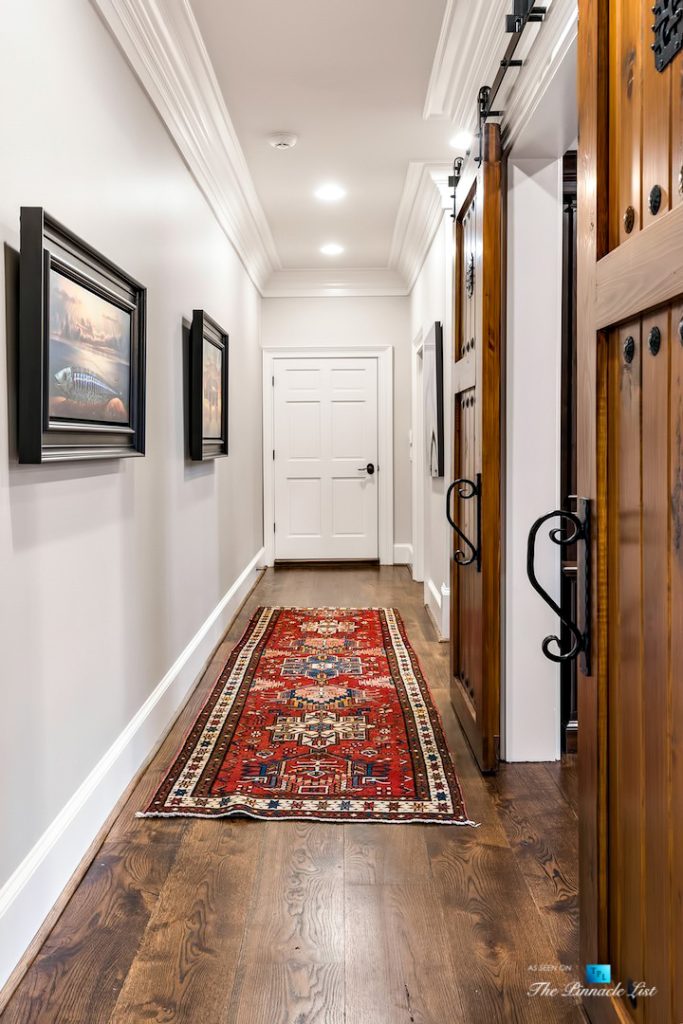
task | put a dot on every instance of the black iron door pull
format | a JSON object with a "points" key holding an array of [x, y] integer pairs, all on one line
{"points": [[466, 489], [575, 529]]}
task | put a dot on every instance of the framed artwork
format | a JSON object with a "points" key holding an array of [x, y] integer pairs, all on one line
{"points": [[432, 377], [208, 388], [81, 349]]}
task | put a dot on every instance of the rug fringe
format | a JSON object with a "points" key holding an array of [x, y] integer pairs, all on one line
{"points": [[323, 821]]}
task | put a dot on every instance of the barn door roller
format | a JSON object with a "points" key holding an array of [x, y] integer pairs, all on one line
{"points": [[575, 528]]}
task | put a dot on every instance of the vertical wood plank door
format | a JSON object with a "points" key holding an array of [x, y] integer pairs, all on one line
{"points": [[630, 464], [475, 501]]}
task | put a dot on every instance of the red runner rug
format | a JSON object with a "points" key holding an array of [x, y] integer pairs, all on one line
{"points": [[320, 714]]}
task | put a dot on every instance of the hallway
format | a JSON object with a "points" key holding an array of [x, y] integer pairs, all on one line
{"points": [[246, 922]]}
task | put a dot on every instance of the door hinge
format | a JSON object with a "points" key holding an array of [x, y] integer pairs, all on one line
{"points": [[273, 455], [272, 380], [273, 527]]}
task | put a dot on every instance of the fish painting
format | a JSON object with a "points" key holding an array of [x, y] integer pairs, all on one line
{"points": [[90, 350], [80, 385]]}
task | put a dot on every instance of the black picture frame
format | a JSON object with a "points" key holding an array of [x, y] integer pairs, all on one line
{"points": [[205, 331], [47, 248], [434, 431]]}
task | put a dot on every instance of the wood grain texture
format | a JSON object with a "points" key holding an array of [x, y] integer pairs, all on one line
{"points": [[475, 596], [239, 922], [629, 463], [646, 271], [592, 244]]}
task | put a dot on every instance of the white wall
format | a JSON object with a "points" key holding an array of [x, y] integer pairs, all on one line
{"points": [[531, 700], [108, 570], [332, 322], [431, 300]]}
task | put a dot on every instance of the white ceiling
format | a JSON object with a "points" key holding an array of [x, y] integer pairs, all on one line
{"points": [[350, 78]]}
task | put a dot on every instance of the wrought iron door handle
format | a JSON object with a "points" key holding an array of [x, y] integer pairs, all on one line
{"points": [[576, 531], [466, 489]]}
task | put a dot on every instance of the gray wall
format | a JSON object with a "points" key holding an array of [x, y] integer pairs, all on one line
{"points": [[108, 570]]}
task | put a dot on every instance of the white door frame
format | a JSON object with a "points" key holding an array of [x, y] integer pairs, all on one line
{"points": [[417, 458], [385, 438]]}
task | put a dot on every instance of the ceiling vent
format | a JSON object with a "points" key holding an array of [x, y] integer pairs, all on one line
{"points": [[283, 140]]}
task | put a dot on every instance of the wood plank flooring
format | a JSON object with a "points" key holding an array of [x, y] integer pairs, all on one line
{"points": [[245, 922]]}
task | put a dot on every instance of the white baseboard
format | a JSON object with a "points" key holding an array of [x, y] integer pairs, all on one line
{"points": [[31, 891], [403, 554], [445, 611], [438, 602]]}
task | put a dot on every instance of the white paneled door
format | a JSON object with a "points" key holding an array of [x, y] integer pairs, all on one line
{"points": [[325, 458]]}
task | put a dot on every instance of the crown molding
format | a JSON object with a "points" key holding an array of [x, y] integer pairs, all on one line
{"points": [[342, 283], [555, 37], [164, 47], [473, 30], [420, 213]]}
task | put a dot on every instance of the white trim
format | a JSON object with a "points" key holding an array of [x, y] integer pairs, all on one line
{"points": [[554, 40], [343, 282], [432, 598], [420, 213], [470, 46], [385, 436], [417, 459], [31, 891], [403, 554], [445, 611], [164, 46]]}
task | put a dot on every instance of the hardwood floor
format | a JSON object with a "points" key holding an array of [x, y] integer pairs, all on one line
{"points": [[245, 922]]}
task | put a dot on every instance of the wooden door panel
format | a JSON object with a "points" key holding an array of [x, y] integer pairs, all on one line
{"points": [[625, 696], [655, 680], [676, 653], [630, 444], [626, 120], [656, 165], [676, 72], [475, 588]]}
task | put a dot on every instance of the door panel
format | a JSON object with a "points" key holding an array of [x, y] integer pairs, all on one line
{"points": [[475, 587], [630, 447], [325, 429]]}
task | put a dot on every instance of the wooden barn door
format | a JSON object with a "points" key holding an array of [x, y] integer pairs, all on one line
{"points": [[630, 465], [474, 496]]}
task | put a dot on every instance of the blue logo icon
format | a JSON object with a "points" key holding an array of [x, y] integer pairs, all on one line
{"points": [[598, 974]]}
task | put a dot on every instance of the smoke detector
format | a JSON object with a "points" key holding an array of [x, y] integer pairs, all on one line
{"points": [[283, 140]]}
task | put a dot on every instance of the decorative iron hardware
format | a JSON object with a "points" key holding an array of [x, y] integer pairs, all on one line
{"points": [[454, 181], [469, 276], [466, 489], [654, 340], [680, 180], [680, 330], [629, 349], [655, 201], [629, 219], [578, 531], [523, 11], [668, 30]]}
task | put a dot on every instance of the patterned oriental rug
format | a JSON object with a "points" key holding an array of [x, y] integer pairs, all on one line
{"points": [[320, 714]]}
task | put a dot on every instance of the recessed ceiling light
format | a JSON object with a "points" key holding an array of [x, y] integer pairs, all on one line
{"points": [[283, 140], [330, 193], [331, 249], [462, 141]]}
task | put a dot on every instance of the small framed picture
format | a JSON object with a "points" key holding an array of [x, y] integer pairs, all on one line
{"points": [[81, 349], [433, 399], [208, 388]]}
